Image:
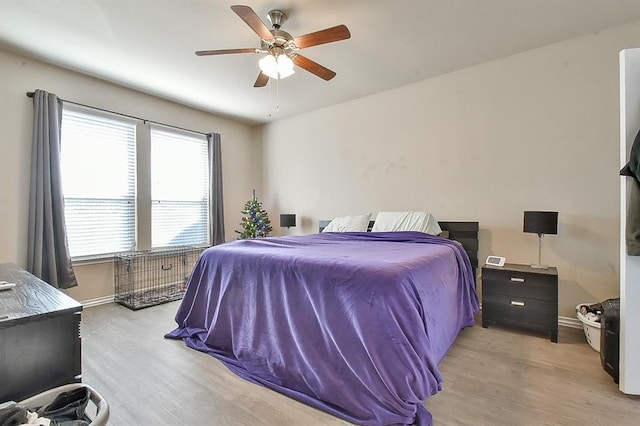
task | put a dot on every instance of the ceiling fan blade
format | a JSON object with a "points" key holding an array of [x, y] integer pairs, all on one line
{"points": [[313, 67], [337, 33], [224, 51], [251, 19], [262, 80]]}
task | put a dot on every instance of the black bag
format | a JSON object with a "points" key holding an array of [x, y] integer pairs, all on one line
{"points": [[67, 409]]}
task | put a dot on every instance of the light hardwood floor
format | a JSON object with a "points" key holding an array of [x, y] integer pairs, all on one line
{"points": [[494, 376]]}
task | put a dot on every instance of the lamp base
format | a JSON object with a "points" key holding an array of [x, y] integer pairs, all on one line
{"points": [[536, 266]]}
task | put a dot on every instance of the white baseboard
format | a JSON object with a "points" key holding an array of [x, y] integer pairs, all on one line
{"points": [[569, 322], [98, 301]]}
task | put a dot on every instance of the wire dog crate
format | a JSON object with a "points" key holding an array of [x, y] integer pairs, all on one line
{"points": [[148, 278]]}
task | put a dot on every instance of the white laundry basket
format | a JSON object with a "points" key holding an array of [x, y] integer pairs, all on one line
{"points": [[591, 328]]}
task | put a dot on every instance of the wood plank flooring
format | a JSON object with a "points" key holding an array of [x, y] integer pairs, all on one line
{"points": [[493, 376]]}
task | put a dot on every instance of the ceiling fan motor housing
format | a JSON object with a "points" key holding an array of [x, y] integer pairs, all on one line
{"points": [[276, 18], [281, 40]]}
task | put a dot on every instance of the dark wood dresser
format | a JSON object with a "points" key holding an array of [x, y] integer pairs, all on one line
{"points": [[522, 296], [40, 346]]}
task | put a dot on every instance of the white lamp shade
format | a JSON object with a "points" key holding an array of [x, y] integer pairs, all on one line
{"points": [[269, 66], [284, 62], [285, 66]]}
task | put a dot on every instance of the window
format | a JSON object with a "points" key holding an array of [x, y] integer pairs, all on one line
{"points": [[131, 186], [179, 188], [99, 184]]}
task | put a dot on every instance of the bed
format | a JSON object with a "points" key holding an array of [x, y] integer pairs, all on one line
{"points": [[353, 323]]}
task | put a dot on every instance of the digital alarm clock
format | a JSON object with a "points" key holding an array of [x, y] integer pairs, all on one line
{"points": [[495, 261]]}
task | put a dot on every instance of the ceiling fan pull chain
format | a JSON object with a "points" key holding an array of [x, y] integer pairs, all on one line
{"points": [[270, 95], [269, 111], [277, 95]]}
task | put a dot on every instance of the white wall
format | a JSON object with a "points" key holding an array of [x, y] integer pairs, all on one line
{"points": [[241, 153], [534, 131]]}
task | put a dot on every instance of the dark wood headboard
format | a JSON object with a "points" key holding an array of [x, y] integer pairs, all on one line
{"points": [[466, 233]]}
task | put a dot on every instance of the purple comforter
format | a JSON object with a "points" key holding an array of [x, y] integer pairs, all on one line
{"points": [[354, 324]]}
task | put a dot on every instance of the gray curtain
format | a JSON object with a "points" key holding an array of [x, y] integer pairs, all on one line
{"points": [[48, 253], [216, 206]]}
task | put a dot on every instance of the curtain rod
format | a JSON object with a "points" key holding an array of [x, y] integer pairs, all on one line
{"points": [[30, 95]]}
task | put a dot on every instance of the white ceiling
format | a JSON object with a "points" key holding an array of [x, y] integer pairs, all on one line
{"points": [[149, 44]]}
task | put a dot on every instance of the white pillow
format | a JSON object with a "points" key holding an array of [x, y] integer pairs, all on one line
{"points": [[349, 224], [406, 221]]}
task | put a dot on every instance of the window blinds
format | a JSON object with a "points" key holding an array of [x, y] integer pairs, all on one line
{"points": [[98, 178], [179, 188]]}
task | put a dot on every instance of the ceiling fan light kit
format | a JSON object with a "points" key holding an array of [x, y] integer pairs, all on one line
{"points": [[280, 66], [280, 47]]}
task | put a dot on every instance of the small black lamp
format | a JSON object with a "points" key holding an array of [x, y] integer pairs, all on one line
{"points": [[287, 220], [540, 223]]}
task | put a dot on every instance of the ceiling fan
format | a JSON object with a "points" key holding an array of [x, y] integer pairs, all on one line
{"points": [[281, 47]]}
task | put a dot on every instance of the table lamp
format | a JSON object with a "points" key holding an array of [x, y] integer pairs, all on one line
{"points": [[540, 223], [287, 220]]}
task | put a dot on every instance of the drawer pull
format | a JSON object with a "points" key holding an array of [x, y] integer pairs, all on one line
{"points": [[518, 280], [514, 303]]}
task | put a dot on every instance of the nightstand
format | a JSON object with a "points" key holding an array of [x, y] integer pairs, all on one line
{"points": [[522, 296]]}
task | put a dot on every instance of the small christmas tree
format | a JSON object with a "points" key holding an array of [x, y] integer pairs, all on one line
{"points": [[255, 222]]}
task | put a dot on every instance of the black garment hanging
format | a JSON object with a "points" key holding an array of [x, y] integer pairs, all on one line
{"points": [[632, 169]]}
